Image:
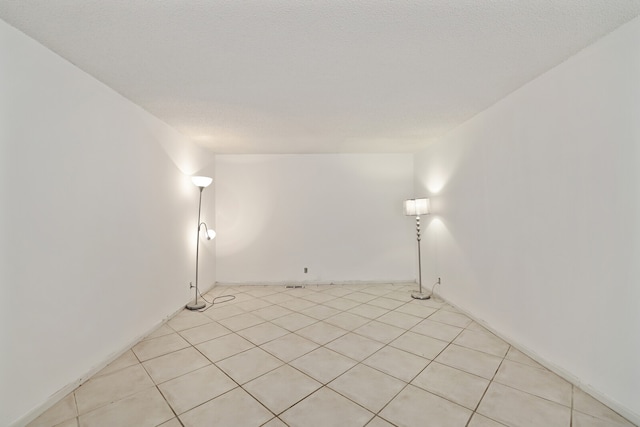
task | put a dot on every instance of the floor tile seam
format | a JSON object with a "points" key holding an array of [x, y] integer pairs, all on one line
{"points": [[170, 407], [370, 305], [431, 336], [442, 363], [268, 341], [183, 374], [364, 336], [447, 398], [166, 354], [326, 348], [295, 310], [282, 363], [404, 301], [379, 413], [260, 305], [228, 357], [391, 324], [210, 320], [479, 351], [203, 324], [323, 318], [395, 348], [573, 387], [247, 327], [222, 318], [489, 418], [539, 367], [328, 342], [412, 303], [317, 302], [344, 310], [99, 375], [111, 402], [457, 369], [404, 333], [476, 349], [359, 334], [431, 361], [342, 327], [617, 423], [358, 300], [384, 419], [210, 339], [298, 357], [522, 391], [485, 392], [273, 318], [349, 399], [295, 330], [251, 310], [105, 376], [436, 395], [370, 318], [406, 384], [573, 390], [153, 339], [271, 419], [205, 402], [173, 331], [530, 393], [464, 328], [75, 403], [259, 402], [290, 406], [306, 375]]}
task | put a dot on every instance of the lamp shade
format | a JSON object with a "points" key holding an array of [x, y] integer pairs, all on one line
{"points": [[201, 181], [211, 234], [415, 207]]}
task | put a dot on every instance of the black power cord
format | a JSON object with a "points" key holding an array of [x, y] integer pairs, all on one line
{"points": [[213, 301]]}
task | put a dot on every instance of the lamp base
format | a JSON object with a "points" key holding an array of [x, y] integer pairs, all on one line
{"points": [[195, 306], [419, 295]]}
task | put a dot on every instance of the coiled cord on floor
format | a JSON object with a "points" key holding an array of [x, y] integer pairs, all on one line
{"points": [[213, 301]]}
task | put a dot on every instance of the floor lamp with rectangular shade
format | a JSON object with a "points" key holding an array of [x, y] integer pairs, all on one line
{"points": [[201, 182], [417, 207]]}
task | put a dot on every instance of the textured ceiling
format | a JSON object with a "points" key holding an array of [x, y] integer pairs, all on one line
{"points": [[316, 76]]}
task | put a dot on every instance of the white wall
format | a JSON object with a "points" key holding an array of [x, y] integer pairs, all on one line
{"points": [[537, 225], [97, 221], [338, 215]]}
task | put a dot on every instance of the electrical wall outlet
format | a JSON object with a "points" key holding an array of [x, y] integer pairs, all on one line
{"points": [[306, 270]]}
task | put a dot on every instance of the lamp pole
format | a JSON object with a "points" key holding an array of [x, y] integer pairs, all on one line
{"points": [[419, 294], [418, 207], [201, 183]]}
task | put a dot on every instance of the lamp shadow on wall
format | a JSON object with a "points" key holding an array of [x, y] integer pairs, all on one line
{"points": [[244, 219], [440, 228]]}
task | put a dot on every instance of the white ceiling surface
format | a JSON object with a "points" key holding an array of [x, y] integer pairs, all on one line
{"points": [[316, 76]]}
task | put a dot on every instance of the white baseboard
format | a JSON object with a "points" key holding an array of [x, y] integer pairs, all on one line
{"points": [[568, 376], [64, 391], [317, 282]]}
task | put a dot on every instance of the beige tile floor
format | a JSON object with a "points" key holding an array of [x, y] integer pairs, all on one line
{"points": [[334, 355]]}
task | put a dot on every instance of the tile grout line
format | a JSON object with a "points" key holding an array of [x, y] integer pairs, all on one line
{"points": [[323, 385], [294, 332], [406, 383], [169, 405], [340, 311], [571, 412], [487, 388]]}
